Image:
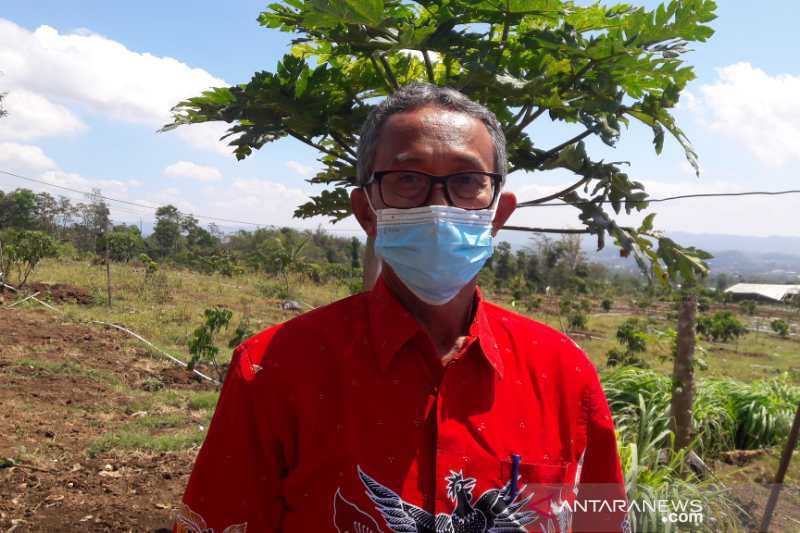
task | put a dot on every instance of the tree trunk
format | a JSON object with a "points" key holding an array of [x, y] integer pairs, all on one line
{"points": [[372, 264], [683, 371]]}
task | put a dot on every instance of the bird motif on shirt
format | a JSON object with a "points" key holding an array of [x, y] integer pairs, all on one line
{"points": [[495, 511]]}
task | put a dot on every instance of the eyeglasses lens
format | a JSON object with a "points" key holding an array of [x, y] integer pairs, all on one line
{"points": [[469, 190]]}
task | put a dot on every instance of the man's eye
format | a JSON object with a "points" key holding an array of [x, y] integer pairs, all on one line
{"points": [[409, 178]]}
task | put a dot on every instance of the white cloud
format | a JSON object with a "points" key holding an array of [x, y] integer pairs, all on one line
{"points": [[259, 201], [760, 111], [100, 75], [746, 215], [206, 136], [108, 187], [24, 158], [31, 115], [300, 168], [187, 169]]}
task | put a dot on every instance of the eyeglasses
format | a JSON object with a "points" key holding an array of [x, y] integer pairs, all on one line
{"points": [[406, 189]]}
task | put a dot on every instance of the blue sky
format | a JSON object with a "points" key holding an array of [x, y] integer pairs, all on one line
{"points": [[98, 76]]}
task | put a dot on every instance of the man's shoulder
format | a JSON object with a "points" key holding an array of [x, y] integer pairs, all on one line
{"points": [[304, 335], [519, 325], [533, 339]]}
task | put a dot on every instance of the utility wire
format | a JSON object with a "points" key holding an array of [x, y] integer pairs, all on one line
{"points": [[532, 203]]}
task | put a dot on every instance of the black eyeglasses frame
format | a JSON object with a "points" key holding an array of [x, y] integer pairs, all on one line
{"points": [[377, 175]]}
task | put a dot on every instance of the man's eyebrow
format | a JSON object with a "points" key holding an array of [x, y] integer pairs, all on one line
{"points": [[465, 158]]}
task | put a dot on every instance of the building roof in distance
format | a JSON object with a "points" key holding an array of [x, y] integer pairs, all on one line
{"points": [[766, 290]]}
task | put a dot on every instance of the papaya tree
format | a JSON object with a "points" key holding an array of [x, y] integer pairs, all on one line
{"points": [[596, 68], [593, 67]]}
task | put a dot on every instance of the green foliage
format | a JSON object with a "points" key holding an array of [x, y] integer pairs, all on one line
{"points": [[726, 414], [723, 326], [242, 332], [577, 320], [201, 344], [574, 312], [22, 250], [124, 243], [606, 304], [18, 209], [590, 66], [150, 266], [748, 307], [780, 327], [632, 335]]}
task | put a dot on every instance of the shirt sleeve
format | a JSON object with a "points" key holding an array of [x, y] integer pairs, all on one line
{"points": [[602, 485], [236, 480]]}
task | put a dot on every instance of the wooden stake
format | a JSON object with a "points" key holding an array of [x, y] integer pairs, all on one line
{"points": [[108, 270], [777, 484]]}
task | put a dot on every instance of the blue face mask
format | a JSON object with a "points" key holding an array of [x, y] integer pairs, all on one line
{"points": [[435, 250]]}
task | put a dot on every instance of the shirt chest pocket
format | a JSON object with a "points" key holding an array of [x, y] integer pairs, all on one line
{"points": [[545, 491]]}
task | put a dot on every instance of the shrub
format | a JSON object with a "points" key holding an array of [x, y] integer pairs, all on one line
{"points": [[780, 327], [632, 335], [723, 326], [577, 319], [606, 304], [22, 250], [201, 345], [748, 307]]}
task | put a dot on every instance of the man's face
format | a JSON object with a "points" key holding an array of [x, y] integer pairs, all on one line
{"points": [[436, 141], [433, 140]]}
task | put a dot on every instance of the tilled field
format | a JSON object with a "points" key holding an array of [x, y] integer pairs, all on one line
{"points": [[95, 435]]}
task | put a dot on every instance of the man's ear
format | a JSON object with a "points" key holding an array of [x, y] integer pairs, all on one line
{"points": [[362, 210], [506, 205]]}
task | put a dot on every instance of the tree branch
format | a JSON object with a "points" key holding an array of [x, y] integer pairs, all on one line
{"points": [[341, 142], [553, 151], [428, 66], [547, 230], [526, 121], [503, 41], [524, 110], [389, 73], [320, 147], [556, 195], [380, 72]]}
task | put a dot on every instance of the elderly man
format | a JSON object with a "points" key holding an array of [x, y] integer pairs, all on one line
{"points": [[417, 406]]}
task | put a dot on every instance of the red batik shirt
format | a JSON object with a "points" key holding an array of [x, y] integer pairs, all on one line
{"points": [[343, 419]]}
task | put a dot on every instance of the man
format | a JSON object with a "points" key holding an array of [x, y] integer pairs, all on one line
{"points": [[416, 406]]}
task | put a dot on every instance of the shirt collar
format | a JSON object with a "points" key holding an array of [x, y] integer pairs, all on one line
{"points": [[391, 326]]}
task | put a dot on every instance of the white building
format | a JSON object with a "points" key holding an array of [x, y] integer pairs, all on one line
{"points": [[765, 291]]}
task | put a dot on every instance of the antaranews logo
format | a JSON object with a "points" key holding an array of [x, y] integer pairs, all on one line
{"points": [[686, 512]]}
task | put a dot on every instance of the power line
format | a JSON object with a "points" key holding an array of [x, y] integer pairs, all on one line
{"points": [[145, 206], [532, 203]]}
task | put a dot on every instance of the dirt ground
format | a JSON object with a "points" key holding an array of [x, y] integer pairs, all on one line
{"points": [[66, 387], [82, 383]]}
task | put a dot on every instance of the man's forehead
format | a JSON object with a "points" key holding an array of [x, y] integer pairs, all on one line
{"points": [[436, 123], [417, 135]]}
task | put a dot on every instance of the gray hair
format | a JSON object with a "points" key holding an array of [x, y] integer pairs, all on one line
{"points": [[416, 95]]}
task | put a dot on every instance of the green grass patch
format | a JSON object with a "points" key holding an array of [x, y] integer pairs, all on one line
{"points": [[153, 422], [203, 400], [130, 439], [69, 368]]}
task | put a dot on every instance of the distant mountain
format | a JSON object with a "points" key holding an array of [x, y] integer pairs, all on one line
{"points": [[775, 258], [740, 243]]}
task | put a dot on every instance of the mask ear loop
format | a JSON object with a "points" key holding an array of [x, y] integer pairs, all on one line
{"points": [[369, 202], [365, 188]]}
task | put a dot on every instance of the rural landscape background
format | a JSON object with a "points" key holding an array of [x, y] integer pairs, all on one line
{"points": [[134, 261], [99, 429]]}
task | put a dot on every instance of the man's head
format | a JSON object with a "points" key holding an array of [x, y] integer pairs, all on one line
{"points": [[434, 130]]}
